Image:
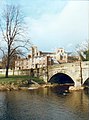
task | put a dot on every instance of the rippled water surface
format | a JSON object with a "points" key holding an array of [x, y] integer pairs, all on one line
{"points": [[44, 104]]}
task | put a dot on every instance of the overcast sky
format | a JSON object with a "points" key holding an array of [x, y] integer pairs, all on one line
{"points": [[55, 23]]}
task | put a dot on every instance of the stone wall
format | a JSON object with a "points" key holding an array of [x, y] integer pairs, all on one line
{"points": [[74, 70]]}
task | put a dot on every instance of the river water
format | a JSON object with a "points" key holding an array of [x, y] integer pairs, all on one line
{"points": [[44, 104]]}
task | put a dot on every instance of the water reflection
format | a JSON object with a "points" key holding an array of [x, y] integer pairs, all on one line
{"points": [[86, 91], [2, 105], [60, 89], [43, 104]]}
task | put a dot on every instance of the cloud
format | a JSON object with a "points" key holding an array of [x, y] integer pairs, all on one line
{"points": [[61, 29], [2, 3]]}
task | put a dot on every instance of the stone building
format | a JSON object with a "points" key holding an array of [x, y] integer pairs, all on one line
{"points": [[61, 55], [39, 59]]}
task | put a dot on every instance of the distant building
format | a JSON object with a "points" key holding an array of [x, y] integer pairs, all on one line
{"points": [[61, 55], [39, 59], [73, 58]]}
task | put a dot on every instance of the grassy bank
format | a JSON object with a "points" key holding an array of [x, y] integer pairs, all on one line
{"points": [[18, 79], [17, 82]]}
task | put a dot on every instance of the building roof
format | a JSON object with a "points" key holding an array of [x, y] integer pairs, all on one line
{"points": [[46, 53]]}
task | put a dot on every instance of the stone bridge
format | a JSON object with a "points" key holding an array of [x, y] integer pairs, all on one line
{"points": [[78, 72]]}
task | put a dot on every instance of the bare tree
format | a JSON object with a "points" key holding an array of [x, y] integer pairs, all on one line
{"points": [[83, 51], [12, 28]]}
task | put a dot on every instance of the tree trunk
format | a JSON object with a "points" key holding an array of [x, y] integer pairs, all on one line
{"points": [[8, 62], [7, 68]]}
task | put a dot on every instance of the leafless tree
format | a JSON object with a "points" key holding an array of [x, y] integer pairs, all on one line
{"points": [[13, 31], [83, 51]]}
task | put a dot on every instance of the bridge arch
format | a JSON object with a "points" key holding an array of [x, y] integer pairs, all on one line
{"points": [[86, 83], [61, 78]]}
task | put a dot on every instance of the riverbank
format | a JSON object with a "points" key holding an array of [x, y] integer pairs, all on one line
{"points": [[26, 86], [18, 82], [27, 83]]}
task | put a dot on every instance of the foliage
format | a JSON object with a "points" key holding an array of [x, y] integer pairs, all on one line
{"points": [[87, 55]]}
